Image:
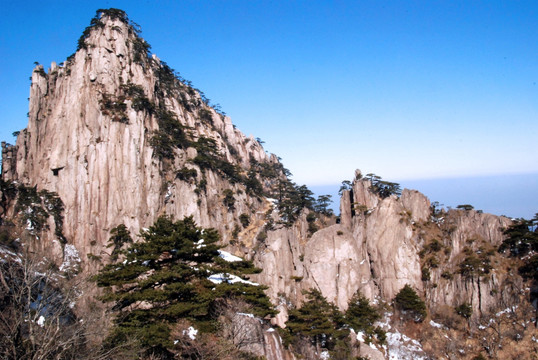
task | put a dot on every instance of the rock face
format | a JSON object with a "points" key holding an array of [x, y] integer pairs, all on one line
{"points": [[121, 140], [89, 140]]}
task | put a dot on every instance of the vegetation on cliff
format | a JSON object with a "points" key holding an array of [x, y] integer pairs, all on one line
{"points": [[175, 273]]}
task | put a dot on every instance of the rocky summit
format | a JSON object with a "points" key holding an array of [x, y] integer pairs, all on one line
{"points": [[117, 141]]}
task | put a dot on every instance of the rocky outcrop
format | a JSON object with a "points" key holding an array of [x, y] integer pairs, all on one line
{"points": [[121, 140], [90, 138]]}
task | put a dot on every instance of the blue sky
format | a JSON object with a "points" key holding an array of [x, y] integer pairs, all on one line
{"points": [[409, 90]]}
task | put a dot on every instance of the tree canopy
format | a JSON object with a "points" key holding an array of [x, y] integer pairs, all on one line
{"points": [[318, 320], [410, 304], [522, 242], [175, 272]]}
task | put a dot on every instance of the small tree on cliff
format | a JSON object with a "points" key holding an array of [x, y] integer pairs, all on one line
{"points": [[410, 305], [361, 316], [174, 273], [318, 320]]}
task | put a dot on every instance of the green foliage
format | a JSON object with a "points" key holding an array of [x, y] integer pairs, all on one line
{"points": [[186, 174], [465, 207], [521, 237], [321, 205], [346, 186], [410, 304], [113, 14], [361, 316], [229, 200], [205, 116], [383, 188], [41, 71], [426, 276], [171, 135], [529, 270], [244, 219], [292, 199], [311, 220], [167, 272], [35, 207], [474, 265], [208, 157], [141, 50], [464, 310], [120, 236], [115, 107], [139, 100], [253, 185], [318, 320]]}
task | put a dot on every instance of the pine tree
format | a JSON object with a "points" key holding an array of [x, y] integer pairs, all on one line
{"points": [[318, 320], [410, 304], [165, 277], [361, 316]]}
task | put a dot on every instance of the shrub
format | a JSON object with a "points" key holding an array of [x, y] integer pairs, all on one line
{"points": [[466, 207], [229, 200], [360, 315], [410, 304], [426, 276], [186, 174], [318, 320], [464, 310], [244, 219], [138, 98]]}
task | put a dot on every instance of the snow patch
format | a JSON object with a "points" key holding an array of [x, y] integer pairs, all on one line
{"points": [[71, 258], [228, 257], [436, 325], [41, 321], [245, 314], [506, 311], [191, 333], [229, 278], [402, 347]]}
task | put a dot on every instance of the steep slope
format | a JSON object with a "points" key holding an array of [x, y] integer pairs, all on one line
{"points": [[116, 136], [121, 139]]}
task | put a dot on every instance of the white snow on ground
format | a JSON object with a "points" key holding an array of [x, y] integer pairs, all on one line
{"points": [[436, 325], [191, 333], [245, 314], [229, 257], [401, 347], [360, 336], [41, 321], [506, 311], [229, 278], [324, 355], [71, 258]]}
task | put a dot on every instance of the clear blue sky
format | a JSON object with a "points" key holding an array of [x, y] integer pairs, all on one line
{"points": [[405, 89]]}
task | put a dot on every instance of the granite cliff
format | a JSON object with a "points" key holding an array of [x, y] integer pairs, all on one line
{"points": [[115, 136]]}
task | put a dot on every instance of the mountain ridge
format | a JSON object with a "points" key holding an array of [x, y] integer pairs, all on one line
{"points": [[120, 138]]}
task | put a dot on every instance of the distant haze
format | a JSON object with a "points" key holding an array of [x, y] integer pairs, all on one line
{"points": [[510, 195]]}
